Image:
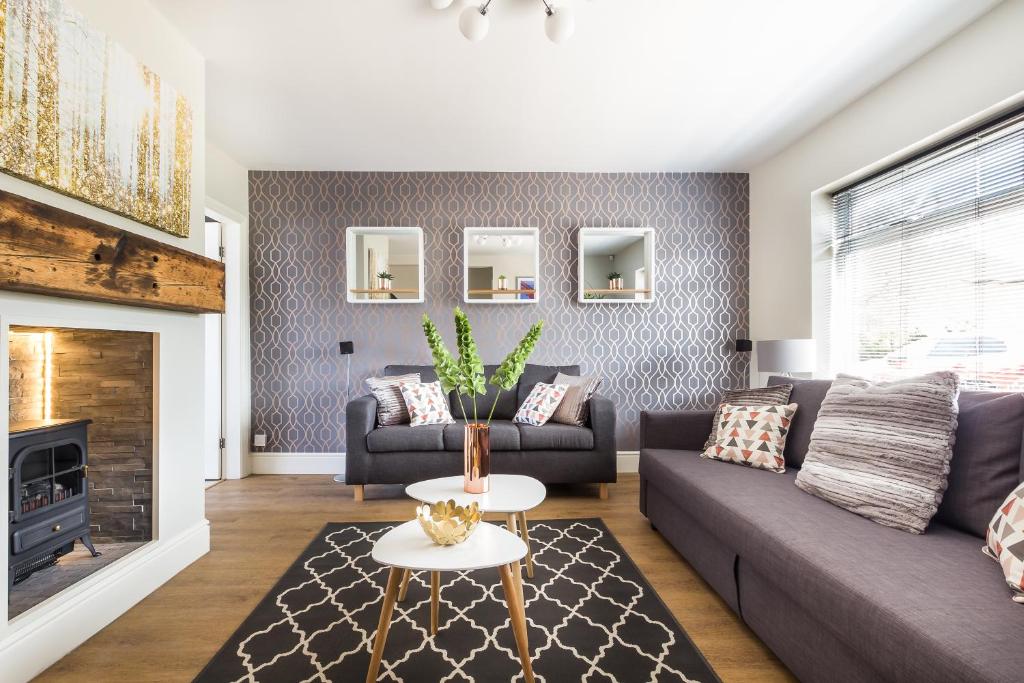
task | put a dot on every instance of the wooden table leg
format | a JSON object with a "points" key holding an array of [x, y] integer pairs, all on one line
{"points": [[518, 615], [406, 574], [526, 539], [390, 595], [510, 520], [435, 599]]}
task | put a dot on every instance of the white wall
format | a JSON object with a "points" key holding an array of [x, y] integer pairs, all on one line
{"points": [[42, 635], [227, 199], [972, 75]]}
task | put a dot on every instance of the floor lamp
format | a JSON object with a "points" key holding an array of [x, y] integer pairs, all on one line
{"points": [[346, 348], [786, 356]]}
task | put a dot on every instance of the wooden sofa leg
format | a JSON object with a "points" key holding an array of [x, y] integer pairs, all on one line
{"points": [[358, 495], [604, 492]]}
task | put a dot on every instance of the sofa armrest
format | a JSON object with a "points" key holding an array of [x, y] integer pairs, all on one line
{"points": [[684, 430], [602, 422], [360, 420]]}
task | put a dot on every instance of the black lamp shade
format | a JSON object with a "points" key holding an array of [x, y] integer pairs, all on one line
{"points": [[346, 348], [744, 345]]}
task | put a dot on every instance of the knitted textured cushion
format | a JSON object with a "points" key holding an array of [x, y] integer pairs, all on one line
{"points": [[391, 408], [575, 407], [882, 449]]}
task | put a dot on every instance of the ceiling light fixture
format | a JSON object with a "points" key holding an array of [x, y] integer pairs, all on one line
{"points": [[559, 22]]}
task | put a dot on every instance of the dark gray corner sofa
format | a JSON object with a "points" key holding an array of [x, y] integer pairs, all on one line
{"points": [[835, 596], [552, 453]]}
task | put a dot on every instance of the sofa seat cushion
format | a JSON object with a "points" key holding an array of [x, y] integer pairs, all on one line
{"points": [[555, 437], [406, 438], [919, 607], [504, 436]]}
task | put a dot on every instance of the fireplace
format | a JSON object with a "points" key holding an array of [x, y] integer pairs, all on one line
{"points": [[80, 454], [49, 507]]}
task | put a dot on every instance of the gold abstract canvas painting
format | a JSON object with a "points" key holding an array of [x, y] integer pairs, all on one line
{"points": [[82, 116]]}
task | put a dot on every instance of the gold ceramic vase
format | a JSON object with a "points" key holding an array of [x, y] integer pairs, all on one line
{"points": [[476, 458]]}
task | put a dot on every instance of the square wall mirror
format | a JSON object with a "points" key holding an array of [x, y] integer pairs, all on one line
{"points": [[384, 265], [616, 265], [500, 265]]}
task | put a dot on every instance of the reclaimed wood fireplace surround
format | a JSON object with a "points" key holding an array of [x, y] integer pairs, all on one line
{"points": [[100, 376]]}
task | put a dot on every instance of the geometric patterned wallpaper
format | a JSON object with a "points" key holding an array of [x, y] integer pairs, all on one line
{"points": [[676, 352]]}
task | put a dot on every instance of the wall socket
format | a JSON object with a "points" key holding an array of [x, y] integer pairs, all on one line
{"points": [[259, 440]]}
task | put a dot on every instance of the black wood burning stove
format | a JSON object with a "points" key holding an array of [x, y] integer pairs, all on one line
{"points": [[49, 494]]}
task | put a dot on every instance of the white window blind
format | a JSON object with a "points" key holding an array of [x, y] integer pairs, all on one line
{"points": [[928, 265]]}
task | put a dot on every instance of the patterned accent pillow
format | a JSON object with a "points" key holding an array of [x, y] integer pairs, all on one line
{"points": [[753, 436], [777, 395], [426, 403], [540, 405], [575, 407], [1005, 541], [391, 408]]}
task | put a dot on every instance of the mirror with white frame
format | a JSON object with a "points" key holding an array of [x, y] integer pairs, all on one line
{"points": [[384, 265], [616, 265], [500, 265]]}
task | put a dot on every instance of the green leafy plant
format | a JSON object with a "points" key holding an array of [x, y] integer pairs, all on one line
{"points": [[385, 275], [614, 276], [465, 375]]}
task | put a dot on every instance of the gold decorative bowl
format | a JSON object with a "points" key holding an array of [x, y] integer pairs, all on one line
{"points": [[447, 523]]}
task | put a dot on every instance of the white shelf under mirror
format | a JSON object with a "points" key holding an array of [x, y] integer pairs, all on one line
{"points": [[500, 266], [395, 251], [629, 252]]}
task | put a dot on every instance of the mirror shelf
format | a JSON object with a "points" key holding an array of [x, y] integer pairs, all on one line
{"points": [[616, 265], [384, 265], [500, 265]]}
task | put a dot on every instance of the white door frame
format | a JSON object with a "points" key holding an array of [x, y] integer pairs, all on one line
{"points": [[235, 339]]}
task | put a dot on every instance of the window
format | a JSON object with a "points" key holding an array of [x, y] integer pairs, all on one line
{"points": [[928, 264]]}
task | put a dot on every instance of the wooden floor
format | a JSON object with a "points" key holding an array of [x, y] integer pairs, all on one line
{"points": [[261, 524]]}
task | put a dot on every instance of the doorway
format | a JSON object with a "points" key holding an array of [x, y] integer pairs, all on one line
{"points": [[213, 460]]}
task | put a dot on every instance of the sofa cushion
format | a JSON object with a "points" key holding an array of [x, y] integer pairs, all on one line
{"points": [[426, 372], [540, 373], [986, 459], [504, 436], [882, 449], [1004, 542], [406, 438], [507, 402], [555, 437], [808, 394], [901, 601], [754, 436], [777, 395]]}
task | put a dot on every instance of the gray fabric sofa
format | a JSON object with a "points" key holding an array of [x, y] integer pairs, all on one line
{"points": [[553, 453], [837, 597]]}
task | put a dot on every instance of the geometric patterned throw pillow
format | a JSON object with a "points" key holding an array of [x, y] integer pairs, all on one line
{"points": [[541, 404], [753, 435], [776, 395], [426, 403], [391, 408], [1005, 541]]}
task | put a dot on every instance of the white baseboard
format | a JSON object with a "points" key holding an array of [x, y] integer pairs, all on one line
{"points": [[41, 636], [297, 463], [334, 463], [628, 462]]}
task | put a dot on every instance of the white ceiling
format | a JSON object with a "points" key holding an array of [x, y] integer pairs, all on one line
{"points": [[607, 245], [644, 85]]}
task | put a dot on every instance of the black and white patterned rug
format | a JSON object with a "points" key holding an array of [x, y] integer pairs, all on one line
{"points": [[592, 617]]}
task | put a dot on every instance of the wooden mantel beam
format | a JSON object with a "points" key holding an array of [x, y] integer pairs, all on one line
{"points": [[45, 250]]}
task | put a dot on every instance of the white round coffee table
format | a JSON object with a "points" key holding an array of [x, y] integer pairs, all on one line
{"points": [[406, 548], [511, 494]]}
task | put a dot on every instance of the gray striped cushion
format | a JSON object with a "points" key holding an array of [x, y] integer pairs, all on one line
{"points": [[777, 395], [575, 407], [882, 449], [391, 408]]}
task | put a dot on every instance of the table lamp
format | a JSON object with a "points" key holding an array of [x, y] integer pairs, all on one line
{"points": [[786, 356]]}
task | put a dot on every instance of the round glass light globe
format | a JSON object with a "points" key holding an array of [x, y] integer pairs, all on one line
{"points": [[473, 24], [440, 4], [560, 24]]}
